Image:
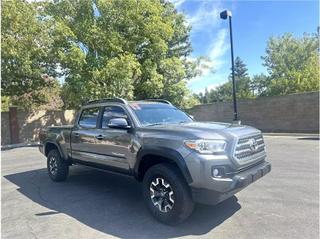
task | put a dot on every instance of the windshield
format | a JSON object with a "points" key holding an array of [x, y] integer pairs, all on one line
{"points": [[157, 114]]}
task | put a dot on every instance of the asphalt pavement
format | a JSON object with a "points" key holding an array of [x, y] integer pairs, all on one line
{"points": [[97, 204]]}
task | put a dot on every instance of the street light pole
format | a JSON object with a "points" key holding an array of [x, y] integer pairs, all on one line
{"points": [[224, 15], [234, 96]]}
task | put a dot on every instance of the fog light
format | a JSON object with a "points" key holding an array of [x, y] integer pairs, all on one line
{"points": [[215, 172], [218, 172]]}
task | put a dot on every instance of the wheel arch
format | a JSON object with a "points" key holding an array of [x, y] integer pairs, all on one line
{"points": [[48, 146], [147, 157]]}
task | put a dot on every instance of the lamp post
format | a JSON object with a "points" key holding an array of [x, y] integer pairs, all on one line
{"points": [[224, 15]]}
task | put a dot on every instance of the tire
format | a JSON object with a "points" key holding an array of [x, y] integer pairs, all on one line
{"points": [[173, 208], [58, 169]]}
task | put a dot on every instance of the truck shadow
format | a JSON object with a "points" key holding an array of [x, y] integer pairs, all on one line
{"points": [[112, 204]]}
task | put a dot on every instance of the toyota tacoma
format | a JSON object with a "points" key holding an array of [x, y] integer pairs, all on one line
{"points": [[178, 160]]}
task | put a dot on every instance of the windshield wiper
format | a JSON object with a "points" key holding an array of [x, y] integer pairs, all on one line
{"points": [[182, 122], [154, 124]]}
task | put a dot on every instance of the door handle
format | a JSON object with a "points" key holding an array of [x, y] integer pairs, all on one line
{"points": [[76, 135], [99, 137]]}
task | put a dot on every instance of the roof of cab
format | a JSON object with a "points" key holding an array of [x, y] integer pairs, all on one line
{"points": [[123, 101]]}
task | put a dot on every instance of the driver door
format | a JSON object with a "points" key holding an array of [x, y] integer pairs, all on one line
{"points": [[113, 145]]}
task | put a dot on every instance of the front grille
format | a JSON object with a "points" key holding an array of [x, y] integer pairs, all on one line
{"points": [[245, 152]]}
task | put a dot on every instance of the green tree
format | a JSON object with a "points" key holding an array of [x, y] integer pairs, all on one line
{"points": [[223, 92], [292, 63], [242, 80], [240, 69], [5, 103], [243, 85], [125, 48], [199, 96], [206, 96], [46, 98], [27, 60], [260, 84]]}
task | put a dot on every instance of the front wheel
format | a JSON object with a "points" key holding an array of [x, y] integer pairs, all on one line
{"points": [[167, 194], [58, 169]]}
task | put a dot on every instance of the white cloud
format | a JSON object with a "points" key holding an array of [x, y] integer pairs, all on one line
{"points": [[205, 21], [218, 48], [216, 52], [177, 3], [209, 87], [206, 17]]}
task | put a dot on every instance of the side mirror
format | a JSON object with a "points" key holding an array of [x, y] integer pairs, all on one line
{"points": [[119, 123], [191, 116]]}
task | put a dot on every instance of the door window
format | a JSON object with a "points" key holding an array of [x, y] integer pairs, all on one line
{"points": [[111, 112], [88, 118]]}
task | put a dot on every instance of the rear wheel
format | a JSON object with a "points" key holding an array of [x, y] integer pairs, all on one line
{"points": [[58, 169], [167, 194]]}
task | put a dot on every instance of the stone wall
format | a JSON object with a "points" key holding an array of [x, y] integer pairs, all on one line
{"points": [[291, 113], [5, 129], [29, 124]]}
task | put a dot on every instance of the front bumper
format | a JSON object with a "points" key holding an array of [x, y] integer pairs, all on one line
{"points": [[232, 185]]}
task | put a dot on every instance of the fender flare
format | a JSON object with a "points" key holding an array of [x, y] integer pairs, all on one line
{"points": [[165, 152], [57, 146]]}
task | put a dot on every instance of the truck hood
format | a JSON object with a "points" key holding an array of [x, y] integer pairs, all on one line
{"points": [[204, 130]]}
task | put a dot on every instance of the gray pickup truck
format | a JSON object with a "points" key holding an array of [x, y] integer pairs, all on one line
{"points": [[179, 161]]}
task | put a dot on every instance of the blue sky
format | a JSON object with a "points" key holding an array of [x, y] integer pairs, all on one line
{"points": [[253, 23]]}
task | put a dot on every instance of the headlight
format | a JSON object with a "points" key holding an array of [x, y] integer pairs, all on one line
{"points": [[206, 146]]}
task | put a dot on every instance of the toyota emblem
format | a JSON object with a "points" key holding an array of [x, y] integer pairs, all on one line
{"points": [[253, 145]]}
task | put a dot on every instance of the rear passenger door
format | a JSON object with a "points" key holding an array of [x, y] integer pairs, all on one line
{"points": [[83, 136]]}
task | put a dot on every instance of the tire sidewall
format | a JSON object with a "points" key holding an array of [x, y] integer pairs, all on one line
{"points": [[62, 167], [180, 194]]}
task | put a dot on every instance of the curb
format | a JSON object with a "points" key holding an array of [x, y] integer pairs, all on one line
{"points": [[315, 135], [20, 145]]}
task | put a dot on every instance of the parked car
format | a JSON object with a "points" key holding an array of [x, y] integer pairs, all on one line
{"points": [[178, 160]]}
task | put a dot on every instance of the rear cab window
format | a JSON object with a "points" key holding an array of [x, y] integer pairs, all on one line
{"points": [[89, 117]]}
